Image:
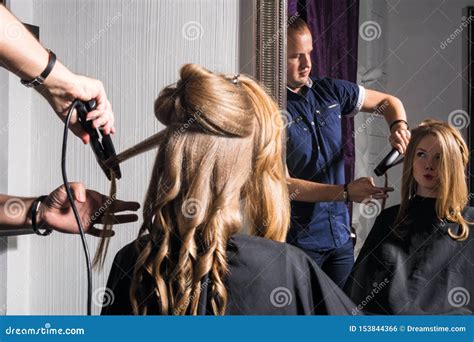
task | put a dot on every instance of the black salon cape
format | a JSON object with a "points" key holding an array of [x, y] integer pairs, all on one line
{"points": [[421, 271], [266, 278]]}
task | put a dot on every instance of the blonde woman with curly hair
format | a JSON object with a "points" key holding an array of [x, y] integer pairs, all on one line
{"points": [[419, 256], [219, 164]]}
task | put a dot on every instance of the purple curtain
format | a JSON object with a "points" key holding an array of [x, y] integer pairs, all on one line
{"points": [[334, 25]]}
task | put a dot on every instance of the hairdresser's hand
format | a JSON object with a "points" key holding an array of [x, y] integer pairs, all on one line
{"points": [[62, 87], [56, 213], [363, 189], [400, 137]]}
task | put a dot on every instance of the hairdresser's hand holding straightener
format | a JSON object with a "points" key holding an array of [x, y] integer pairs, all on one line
{"points": [[364, 188], [38, 68], [391, 108]]}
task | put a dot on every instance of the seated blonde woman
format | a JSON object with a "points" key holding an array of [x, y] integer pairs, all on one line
{"points": [[219, 164], [419, 256]]}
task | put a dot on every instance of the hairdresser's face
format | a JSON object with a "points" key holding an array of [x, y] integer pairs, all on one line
{"points": [[300, 46], [425, 166]]}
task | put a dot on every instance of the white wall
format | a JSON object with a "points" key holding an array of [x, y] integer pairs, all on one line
{"points": [[16, 170], [135, 48], [428, 79], [3, 181], [370, 129]]}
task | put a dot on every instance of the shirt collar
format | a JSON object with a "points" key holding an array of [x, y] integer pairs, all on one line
{"points": [[309, 84]]}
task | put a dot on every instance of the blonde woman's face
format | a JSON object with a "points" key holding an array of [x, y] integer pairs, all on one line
{"points": [[425, 166]]}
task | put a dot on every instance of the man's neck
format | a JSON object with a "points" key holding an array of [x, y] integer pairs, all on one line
{"points": [[295, 90], [300, 90]]}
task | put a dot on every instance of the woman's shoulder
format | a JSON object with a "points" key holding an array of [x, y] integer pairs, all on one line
{"points": [[385, 219], [256, 250], [381, 229], [243, 244], [390, 212], [129, 253], [267, 246]]}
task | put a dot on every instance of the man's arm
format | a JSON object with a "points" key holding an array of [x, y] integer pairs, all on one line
{"points": [[392, 109], [55, 212], [23, 55], [362, 188], [14, 212], [358, 190]]}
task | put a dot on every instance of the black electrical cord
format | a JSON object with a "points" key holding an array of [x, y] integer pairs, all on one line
{"points": [[74, 209]]}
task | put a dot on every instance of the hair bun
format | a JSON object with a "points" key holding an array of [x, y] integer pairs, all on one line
{"points": [[205, 102], [190, 73]]}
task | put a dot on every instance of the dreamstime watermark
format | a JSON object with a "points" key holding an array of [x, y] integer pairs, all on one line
{"points": [[292, 197], [294, 194], [191, 207], [103, 296], [103, 30], [464, 24], [102, 209], [377, 287], [280, 297], [14, 208], [370, 30], [361, 128], [14, 31], [377, 112], [453, 213], [370, 208], [192, 30], [46, 330], [458, 297], [281, 120], [269, 42], [198, 112], [459, 119], [183, 306]]}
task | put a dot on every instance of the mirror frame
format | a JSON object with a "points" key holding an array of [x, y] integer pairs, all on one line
{"points": [[270, 47]]}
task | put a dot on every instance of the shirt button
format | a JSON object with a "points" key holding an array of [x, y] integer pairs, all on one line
{"points": [[312, 123], [318, 112]]}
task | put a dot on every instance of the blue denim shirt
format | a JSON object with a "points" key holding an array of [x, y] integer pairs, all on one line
{"points": [[315, 153]]}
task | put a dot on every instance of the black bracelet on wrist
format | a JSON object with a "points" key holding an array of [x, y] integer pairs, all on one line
{"points": [[396, 122], [40, 79], [34, 211]]}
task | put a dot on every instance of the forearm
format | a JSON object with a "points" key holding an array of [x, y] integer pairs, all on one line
{"points": [[307, 191], [393, 110], [23, 55], [15, 212], [20, 52]]}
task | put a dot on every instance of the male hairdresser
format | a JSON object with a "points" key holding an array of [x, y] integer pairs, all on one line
{"points": [[320, 217], [38, 68]]}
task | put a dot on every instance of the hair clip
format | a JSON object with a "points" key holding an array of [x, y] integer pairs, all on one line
{"points": [[235, 79]]}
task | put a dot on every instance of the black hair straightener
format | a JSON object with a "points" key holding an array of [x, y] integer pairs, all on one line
{"points": [[390, 160], [105, 154], [101, 144]]}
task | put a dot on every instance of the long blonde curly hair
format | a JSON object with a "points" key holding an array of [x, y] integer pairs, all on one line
{"points": [[219, 162]]}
